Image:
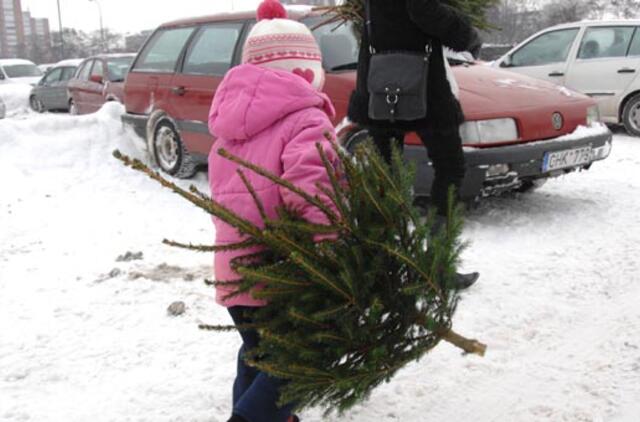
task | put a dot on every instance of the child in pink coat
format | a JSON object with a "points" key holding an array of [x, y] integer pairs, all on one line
{"points": [[268, 111]]}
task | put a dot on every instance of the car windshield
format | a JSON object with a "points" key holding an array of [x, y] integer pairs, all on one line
{"points": [[338, 44], [22, 71], [118, 68]]}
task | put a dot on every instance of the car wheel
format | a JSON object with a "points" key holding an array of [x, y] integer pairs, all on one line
{"points": [[355, 139], [73, 108], [631, 116], [36, 104], [170, 153]]}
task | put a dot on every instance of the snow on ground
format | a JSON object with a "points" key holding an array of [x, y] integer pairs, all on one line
{"points": [[86, 338], [16, 98]]}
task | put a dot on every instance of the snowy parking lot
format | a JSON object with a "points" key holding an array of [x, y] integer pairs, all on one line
{"points": [[85, 336]]}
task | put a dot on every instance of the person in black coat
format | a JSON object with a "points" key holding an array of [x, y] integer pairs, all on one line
{"points": [[410, 25]]}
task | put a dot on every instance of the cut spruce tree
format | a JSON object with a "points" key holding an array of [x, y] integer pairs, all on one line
{"points": [[353, 11], [347, 312]]}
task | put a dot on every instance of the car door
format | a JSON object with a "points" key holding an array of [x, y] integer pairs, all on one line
{"points": [[149, 81], [94, 92], [603, 68], [544, 56], [59, 95], [211, 53], [45, 88], [78, 85]]}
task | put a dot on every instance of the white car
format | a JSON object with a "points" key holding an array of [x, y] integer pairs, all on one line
{"points": [[19, 71], [600, 59]]}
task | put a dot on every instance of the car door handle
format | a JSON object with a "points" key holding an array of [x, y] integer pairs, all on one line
{"points": [[556, 74], [179, 90], [627, 70]]}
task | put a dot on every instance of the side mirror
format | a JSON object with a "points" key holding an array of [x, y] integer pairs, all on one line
{"points": [[506, 62], [96, 79]]}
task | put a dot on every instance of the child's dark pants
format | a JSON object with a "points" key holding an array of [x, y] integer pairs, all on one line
{"points": [[255, 393]]}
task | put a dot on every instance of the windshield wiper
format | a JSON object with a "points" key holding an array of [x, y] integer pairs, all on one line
{"points": [[346, 66]]}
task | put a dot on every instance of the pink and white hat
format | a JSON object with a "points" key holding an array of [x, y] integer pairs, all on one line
{"points": [[281, 43]]}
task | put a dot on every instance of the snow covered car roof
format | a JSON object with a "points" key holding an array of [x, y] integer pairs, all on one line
{"points": [[68, 62], [611, 22], [12, 62]]}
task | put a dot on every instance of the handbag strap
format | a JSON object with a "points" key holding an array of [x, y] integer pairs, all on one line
{"points": [[369, 25]]}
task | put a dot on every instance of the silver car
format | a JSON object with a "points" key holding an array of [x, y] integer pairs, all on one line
{"points": [[51, 92], [598, 58]]}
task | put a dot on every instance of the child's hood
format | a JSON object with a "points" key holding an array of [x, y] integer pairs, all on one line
{"points": [[250, 99]]}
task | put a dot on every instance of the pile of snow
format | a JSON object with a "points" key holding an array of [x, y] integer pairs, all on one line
{"points": [[15, 97], [85, 334]]}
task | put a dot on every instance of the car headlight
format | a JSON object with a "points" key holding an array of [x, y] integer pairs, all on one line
{"points": [[489, 131], [593, 115]]}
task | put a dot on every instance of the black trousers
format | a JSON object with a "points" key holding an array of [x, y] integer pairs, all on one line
{"points": [[444, 147], [255, 394]]}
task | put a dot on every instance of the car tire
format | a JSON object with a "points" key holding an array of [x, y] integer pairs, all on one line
{"points": [[631, 116], [36, 105], [73, 108], [356, 138], [169, 151]]}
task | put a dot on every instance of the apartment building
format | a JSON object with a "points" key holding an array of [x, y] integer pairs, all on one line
{"points": [[12, 40], [22, 35]]}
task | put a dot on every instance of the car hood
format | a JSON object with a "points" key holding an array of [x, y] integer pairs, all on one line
{"points": [[487, 92]]}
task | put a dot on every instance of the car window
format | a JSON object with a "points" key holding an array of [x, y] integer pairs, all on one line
{"points": [[83, 75], [338, 44], [53, 76], [67, 73], [550, 47], [211, 53], [118, 67], [605, 42], [22, 70], [162, 52], [98, 69], [634, 50]]}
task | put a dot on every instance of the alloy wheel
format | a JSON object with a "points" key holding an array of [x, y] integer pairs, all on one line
{"points": [[167, 148]]}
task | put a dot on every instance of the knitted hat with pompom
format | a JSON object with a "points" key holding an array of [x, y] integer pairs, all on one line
{"points": [[281, 43]]}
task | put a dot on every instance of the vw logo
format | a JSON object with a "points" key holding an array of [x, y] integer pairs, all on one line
{"points": [[557, 120]]}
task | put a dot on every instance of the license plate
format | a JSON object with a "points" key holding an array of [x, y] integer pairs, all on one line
{"points": [[567, 158]]}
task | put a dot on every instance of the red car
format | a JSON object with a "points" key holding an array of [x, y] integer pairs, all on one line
{"points": [[515, 131], [99, 79]]}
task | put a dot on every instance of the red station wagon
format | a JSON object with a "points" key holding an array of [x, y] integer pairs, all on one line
{"points": [[99, 79], [519, 131]]}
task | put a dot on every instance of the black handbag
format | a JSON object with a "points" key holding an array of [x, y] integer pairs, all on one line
{"points": [[397, 81]]}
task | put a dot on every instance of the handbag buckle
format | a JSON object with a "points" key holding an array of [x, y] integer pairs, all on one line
{"points": [[392, 96]]}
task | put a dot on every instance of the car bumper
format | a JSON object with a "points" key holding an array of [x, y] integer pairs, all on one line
{"points": [[136, 122], [491, 171]]}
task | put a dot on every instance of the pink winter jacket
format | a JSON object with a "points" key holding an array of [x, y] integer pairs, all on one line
{"points": [[273, 119]]}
